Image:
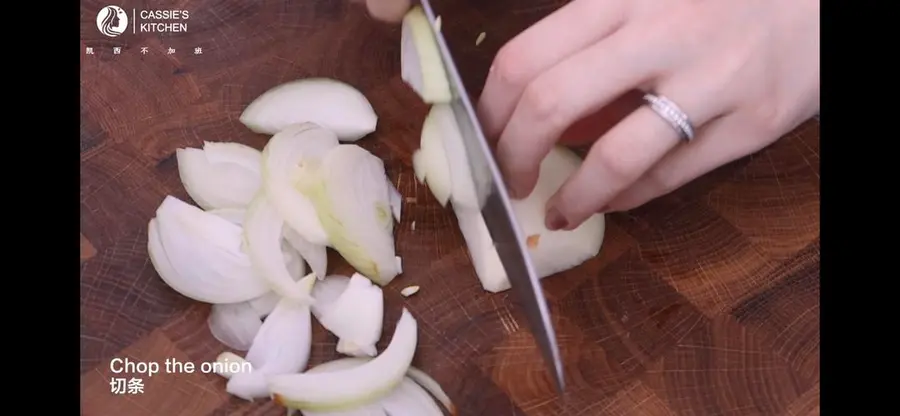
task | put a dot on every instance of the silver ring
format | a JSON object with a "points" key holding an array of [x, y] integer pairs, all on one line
{"points": [[672, 114]]}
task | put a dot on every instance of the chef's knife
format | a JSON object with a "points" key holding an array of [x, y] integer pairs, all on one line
{"points": [[498, 214]]}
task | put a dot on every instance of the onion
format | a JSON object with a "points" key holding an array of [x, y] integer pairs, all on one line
{"points": [[283, 155], [350, 193], [315, 255], [396, 201], [409, 291], [234, 324], [352, 309], [440, 127], [227, 358], [263, 231], [282, 346], [348, 388], [420, 61], [551, 251], [199, 255], [221, 175], [433, 166], [332, 104]]}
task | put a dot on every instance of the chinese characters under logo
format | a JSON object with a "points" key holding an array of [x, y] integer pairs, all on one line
{"points": [[112, 21]]}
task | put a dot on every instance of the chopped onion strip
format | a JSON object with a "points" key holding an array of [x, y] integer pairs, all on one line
{"points": [[421, 66], [345, 389], [282, 346], [263, 230], [286, 151], [234, 324], [221, 175], [315, 255], [332, 104], [199, 255], [350, 193], [355, 316]]}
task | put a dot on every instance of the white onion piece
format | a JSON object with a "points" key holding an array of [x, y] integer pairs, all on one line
{"points": [[315, 255], [419, 165], [199, 255], [286, 151], [408, 399], [234, 324], [327, 292], [420, 61], [551, 251], [399, 264], [221, 175], [464, 189], [350, 193], [264, 304], [232, 215], [432, 386], [332, 104], [355, 317], [282, 346], [433, 162], [227, 358], [396, 201], [346, 389], [263, 231]]}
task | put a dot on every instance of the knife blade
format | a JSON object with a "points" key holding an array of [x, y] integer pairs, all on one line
{"points": [[498, 214]]}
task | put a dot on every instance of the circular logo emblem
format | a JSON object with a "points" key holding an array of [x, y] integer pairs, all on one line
{"points": [[112, 21]]}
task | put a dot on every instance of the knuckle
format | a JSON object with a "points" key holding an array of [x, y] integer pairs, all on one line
{"points": [[660, 182], [511, 65], [543, 103]]}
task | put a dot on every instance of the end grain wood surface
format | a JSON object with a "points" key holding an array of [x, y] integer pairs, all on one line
{"points": [[704, 302]]}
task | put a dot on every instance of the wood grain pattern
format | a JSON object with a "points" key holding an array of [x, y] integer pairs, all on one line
{"points": [[704, 302]]}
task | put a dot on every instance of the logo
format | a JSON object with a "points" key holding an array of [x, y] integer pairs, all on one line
{"points": [[112, 21]]}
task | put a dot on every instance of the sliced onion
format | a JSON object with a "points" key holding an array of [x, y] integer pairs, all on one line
{"points": [[228, 358], [421, 66], [396, 201], [420, 166], [410, 398], [332, 104], [350, 193], [264, 304], [441, 121], [221, 175], [327, 292], [263, 230], [199, 255], [315, 255], [435, 162], [234, 324], [346, 389], [355, 316], [282, 346], [294, 146], [555, 251]]}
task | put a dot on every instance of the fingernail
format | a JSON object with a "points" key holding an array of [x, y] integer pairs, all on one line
{"points": [[555, 220]]}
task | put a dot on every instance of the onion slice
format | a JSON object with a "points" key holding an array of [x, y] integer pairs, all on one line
{"points": [[332, 104], [421, 66], [396, 200], [234, 324], [551, 251], [199, 255], [346, 389], [282, 346], [221, 175], [433, 162], [350, 193], [410, 398], [263, 231], [315, 255], [354, 316], [292, 147]]}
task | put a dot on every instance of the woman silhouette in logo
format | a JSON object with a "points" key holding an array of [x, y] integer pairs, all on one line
{"points": [[110, 26]]}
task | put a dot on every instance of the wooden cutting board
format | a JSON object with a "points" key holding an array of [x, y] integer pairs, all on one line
{"points": [[704, 302]]}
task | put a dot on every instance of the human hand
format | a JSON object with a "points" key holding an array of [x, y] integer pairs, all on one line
{"points": [[387, 10], [745, 73]]}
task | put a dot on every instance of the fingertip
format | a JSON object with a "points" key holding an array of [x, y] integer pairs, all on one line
{"points": [[390, 11]]}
